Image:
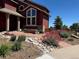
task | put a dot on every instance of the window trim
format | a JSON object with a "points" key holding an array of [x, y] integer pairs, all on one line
{"points": [[14, 1], [31, 17]]}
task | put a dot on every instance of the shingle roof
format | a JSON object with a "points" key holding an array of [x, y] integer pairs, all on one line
{"points": [[44, 7]]}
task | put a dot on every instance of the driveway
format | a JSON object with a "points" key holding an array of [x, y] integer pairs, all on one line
{"points": [[67, 53]]}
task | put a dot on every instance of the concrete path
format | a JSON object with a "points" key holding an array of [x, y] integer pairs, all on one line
{"points": [[67, 53], [45, 56], [64, 44]]}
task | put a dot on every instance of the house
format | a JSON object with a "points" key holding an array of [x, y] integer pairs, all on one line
{"points": [[9, 18], [23, 14]]}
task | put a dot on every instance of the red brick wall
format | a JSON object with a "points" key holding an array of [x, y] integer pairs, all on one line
{"points": [[10, 5], [45, 22], [39, 18], [2, 3], [42, 20]]}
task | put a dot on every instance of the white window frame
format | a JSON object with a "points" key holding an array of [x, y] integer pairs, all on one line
{"points": [[31, 17]]}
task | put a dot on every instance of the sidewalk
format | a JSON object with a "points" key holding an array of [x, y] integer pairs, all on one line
{"points": [[63, 44], [67, 53], [45, 56]]}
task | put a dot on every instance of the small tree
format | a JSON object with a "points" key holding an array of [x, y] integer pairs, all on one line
{"points": [[58, 23], [64, 27], [74, 26]]}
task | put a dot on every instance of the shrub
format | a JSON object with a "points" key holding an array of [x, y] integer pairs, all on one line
{"points": [[64, 34], [50, 42], [13, 38], [39, 29], [21, 38], [16, 46], [4, 50]]}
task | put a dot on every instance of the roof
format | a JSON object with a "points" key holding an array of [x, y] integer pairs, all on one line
{"points": [[14, 1], [8, 11], [37, 6]]}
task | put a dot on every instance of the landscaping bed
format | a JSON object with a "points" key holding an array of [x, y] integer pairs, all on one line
{"points": [[27, 51]]}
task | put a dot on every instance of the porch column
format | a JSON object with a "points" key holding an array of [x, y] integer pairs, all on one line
{"points": [[43, 28], [7, 20], [18, 23]]}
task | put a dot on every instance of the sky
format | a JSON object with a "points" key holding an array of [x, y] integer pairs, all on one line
{"points": [[68, 10]]}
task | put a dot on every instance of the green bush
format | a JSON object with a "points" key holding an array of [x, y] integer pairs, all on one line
{"points": [[13, 38], [16, 46], [4, 50], [51, 42], [21, 38], [64, 34], [39, 29]]}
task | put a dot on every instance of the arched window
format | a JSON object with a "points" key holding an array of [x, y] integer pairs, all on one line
{"points": [[31, 16]]}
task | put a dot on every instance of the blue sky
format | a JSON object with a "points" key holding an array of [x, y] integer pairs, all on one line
{"points": [[68, 10]]}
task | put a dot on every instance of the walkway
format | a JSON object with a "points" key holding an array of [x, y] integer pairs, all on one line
{"points": [[67, 53], [45, 56], [63, 44]]}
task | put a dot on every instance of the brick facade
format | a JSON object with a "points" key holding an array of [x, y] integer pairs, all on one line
{"points": [[42, 17]]}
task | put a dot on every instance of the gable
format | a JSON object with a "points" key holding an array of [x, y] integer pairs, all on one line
{"points": [[25, 5]]}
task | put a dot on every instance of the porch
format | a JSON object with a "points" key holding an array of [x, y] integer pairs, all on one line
{"points": [[9, 20]]}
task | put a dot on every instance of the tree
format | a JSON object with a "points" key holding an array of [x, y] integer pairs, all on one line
{"points": [[64, 27], [74, 26], [58, 23]]}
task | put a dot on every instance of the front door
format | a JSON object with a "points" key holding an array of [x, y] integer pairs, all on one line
{"points": [[13, 23]]}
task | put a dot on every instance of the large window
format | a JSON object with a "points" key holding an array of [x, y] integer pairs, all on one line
{"points": [[31, 16]]}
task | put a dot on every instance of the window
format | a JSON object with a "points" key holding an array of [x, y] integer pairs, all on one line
{"points": [[31, 16], [33, 21], [29, 13], [28, 19]]}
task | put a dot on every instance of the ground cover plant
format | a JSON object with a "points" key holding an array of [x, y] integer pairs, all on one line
{"points": [[50, 42], [16, 47], [4, 50], [13, 38], [21, 38], [64, 34]]}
